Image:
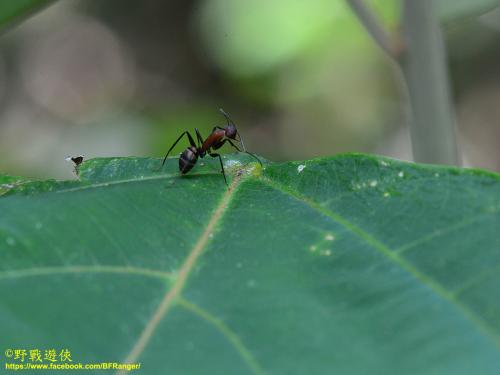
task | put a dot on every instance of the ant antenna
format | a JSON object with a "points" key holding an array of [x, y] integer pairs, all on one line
{"points": [[245, 150], [242, 144], [230, 121]]}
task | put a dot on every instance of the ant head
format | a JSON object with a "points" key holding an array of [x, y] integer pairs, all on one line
{"points": [[231, 131], [230, 128]]}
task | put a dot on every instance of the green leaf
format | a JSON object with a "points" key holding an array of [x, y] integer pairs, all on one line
{"points": [[12, 11], [348, 265], [10, 182]]}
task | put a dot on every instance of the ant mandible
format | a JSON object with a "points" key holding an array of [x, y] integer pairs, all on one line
{"points": [[215, 140]]}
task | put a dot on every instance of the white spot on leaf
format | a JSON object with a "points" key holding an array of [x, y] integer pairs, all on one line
{"points": [[251, 283], [300, 168], [232, 163]]}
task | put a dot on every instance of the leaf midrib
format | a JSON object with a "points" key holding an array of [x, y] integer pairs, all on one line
{"points": [[175, 290]]}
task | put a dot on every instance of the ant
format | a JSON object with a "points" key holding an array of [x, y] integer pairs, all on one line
{"points": [[215, 140]]}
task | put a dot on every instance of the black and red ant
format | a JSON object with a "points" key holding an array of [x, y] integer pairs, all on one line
{"points": [[215, 140]]}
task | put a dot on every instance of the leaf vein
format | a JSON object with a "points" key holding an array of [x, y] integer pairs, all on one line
{"points": [[229, 334], [383, 249], [444, 231], [49, 271]]}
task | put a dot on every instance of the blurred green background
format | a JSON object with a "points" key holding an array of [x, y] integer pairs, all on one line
{"points": [[300, 78]]}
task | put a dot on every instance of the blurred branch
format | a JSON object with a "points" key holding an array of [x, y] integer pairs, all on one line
{"points": [[422, 59], [424, 67], [374, 27]]}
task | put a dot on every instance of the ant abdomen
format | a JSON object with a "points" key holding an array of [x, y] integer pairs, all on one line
{"points": [[188, 159]]}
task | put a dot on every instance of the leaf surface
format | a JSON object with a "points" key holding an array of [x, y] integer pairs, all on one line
{"points": [[352, 264]]}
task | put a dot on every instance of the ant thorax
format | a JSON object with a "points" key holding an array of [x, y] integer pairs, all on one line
{"points": [[213, 141]]}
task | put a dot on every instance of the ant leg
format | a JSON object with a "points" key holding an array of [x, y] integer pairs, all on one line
{"points": [[191, 141], [221, 165], [232, 144], [199, 137], [245, 151]]}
